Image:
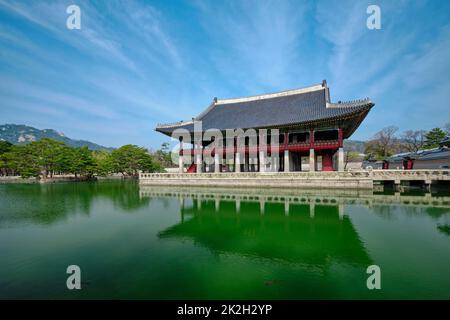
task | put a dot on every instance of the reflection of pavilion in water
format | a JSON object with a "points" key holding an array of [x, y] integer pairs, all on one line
{"points": [[301, 226], [305, 232], [287, 197]]}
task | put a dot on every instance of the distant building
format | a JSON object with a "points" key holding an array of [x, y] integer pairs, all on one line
{"points": [[310, 126], [373, 164], [437, 158], [446, 142]]}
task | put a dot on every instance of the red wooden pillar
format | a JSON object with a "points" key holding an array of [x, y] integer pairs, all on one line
{"points": [[327, 160], [312, 153], [407, 164], [235, 151], [341, 140]]}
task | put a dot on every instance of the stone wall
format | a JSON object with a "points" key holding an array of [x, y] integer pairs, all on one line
{"points": [[316, 180], [17, 179], [353, 179]]}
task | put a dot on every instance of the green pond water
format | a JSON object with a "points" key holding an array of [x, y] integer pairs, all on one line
{"points": [[172, 243]]}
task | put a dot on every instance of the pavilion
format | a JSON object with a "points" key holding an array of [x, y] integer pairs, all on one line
{"points": [[310, 126]]}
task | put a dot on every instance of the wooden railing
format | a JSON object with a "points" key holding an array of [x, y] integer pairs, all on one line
{"points": [[294, 146]]}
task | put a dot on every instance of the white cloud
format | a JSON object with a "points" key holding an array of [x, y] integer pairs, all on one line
{"points": [[54, 98]]}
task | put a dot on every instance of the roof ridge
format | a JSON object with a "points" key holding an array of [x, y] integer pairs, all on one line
{"points": [[348, 103], [284, 93], [204, 112], [174, 124]]}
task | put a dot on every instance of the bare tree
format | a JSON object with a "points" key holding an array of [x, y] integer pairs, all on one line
{"points": [[384, 143], [413, 140], [386, 140]]}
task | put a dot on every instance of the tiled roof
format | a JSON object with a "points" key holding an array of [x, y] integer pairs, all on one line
{"points": [[429, 154], [446, 141], [289, 108], [442, 153]]}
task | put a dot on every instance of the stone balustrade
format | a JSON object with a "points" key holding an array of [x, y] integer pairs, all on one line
{"points": [[425, 175], [334, 179], [360, 179]]}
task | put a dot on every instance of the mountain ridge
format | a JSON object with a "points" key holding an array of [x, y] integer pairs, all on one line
{"points": [[22, 134]]}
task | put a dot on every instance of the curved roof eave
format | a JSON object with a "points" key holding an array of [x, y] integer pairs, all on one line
{"points": [[362, 111]]}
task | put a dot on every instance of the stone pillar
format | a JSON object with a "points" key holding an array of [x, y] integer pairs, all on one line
{"points": [[246, 162], [181, 202], [427, 184], [341, 159], [262, 204], [262, 162], [312, 208], [287, 161], [217, 204], [237, 162], [312, 160], [250, 163], [341, 211], [216, 162], [254, 163], [181, 163], [199, 159], [275, 161]]}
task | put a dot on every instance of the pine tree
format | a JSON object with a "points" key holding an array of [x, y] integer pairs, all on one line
{"points": [[434, 137]]}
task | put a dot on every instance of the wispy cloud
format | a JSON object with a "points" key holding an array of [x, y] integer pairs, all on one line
{"points": [[107, 70], [357, 53], [256, 44], [97, 32], [136, 63], [23, 9], [342, 27], [55, 98], [400, 67]]}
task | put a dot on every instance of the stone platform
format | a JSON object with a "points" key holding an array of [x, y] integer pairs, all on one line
{"points": [[316, 180], [360, 179]]}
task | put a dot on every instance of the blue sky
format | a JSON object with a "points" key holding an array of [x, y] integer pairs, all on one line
{"points": [[134, 64]]}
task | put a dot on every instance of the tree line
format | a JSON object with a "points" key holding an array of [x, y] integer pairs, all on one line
{"points": [[386, 142], [46, 158]]}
